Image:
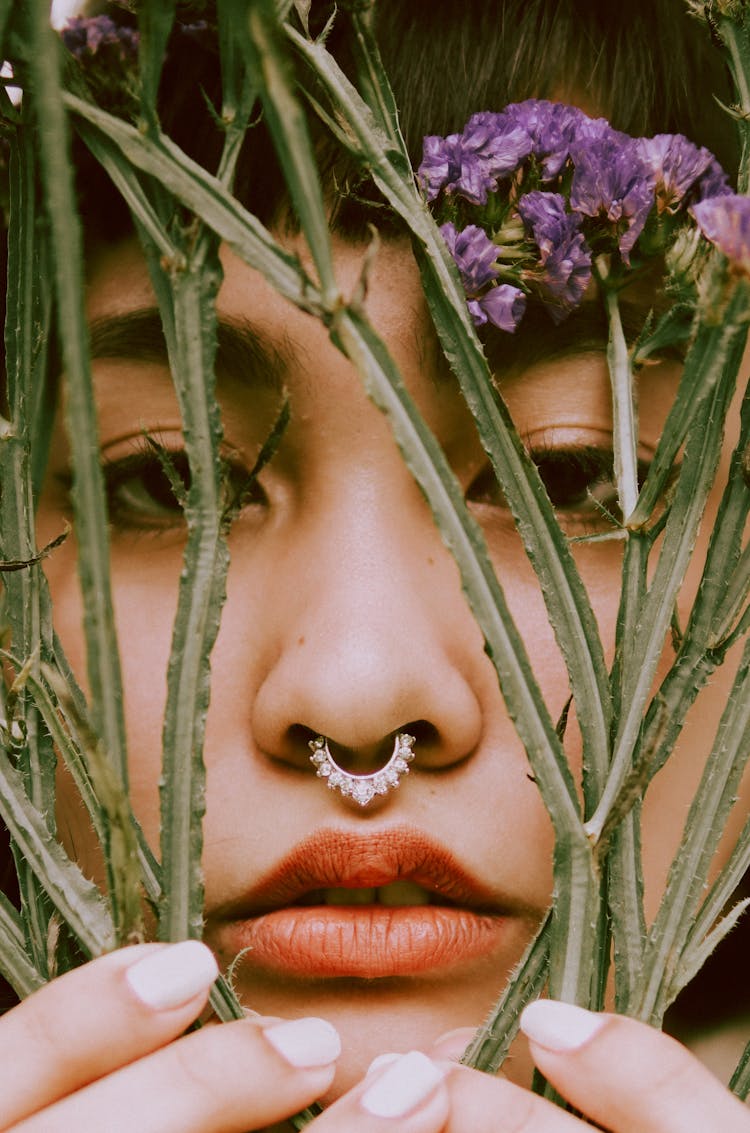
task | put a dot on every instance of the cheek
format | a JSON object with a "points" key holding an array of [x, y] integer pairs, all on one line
{"points": [[144, 591], [145, 601]]}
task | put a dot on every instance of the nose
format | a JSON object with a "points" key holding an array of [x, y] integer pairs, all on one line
{"points": [[376, 638]]}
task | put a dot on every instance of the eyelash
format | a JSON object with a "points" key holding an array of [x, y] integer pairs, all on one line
{"points": [[580, 483], [142, 474]]}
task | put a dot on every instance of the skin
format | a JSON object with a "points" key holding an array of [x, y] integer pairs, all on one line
{"points": [[345, 617]]}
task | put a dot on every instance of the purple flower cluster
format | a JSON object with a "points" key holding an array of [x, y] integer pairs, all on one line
{"points": [[612, 182], [550, 190], [85, 36]]}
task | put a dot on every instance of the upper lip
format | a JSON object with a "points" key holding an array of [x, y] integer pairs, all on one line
{"points": [[339, 859]]}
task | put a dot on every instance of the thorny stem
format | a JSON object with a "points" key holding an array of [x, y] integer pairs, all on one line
{"points": [[88, 490], [625, 428]]}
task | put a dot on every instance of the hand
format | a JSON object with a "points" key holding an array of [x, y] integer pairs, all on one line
{"points": [[99, 1049], [623, 1075]]}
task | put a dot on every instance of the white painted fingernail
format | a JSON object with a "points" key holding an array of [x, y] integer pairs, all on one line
{"points": [[173, 975], [409, 1080], [305, 1043], [380, 1061], [559, 1026]]}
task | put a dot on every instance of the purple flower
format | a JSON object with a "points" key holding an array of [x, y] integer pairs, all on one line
{"points": [[493, 147], [713, 183], [441, 163], [725, 221], [85, 36], [552, 127], [681, 169], [612, 181], [474, 254], [504, 306], [564, 270], [471, 163]]}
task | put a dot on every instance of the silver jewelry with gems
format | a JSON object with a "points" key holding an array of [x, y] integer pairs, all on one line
{"points": [[363, 788]]}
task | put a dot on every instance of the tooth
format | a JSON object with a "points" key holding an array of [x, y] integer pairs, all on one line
{"points": [[399, 893], [349, 896]]}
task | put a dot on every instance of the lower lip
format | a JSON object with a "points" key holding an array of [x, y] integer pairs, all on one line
{"points": [[369, 942]]}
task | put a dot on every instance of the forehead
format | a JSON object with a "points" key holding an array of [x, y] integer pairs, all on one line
{"points": [[118, 278]]}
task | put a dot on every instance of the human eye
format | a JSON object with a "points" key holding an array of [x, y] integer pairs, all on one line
{"points": [[579, 480], [146, 489]]}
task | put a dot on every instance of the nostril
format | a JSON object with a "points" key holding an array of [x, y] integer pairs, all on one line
{"points": [[426, 735], [297, 743], [363, 759]]}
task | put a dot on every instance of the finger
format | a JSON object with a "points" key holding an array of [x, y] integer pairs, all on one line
{"points": [[482, 1103], [452, 1044], [626, 1075], [404, 1092], [97, 1018], [413, 1094], [223, 1079]]}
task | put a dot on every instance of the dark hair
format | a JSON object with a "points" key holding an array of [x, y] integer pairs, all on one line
{"points": [[639, 64]]}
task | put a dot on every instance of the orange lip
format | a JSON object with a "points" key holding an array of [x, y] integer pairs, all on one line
{"points": [[334, 858], [287, 926], [368, 941]]}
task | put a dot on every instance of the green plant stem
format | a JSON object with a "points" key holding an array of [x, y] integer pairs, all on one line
{"points": [[723, 887], [625, 901], [88, 490], [373, 83], [714, 622], [737, 42], [287, 124], [740, 1081], [27, 311], [5, 11], [15, 965], [705, 822], [698, 471], [715, 344], [187, 303], [625, 427], [239, 91], [78, 900], [155, 23], [491, 1043]]}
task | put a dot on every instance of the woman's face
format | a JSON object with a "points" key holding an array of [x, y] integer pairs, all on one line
{"points": [[345, 618]]}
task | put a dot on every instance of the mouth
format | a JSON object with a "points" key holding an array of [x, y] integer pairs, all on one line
{"points": [[390, 903], [394, 895]]}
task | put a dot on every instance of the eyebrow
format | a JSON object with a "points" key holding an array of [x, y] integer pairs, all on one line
{"points": [[585, 331], [241, 351]]}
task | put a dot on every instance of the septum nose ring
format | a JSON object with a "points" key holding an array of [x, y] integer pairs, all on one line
{"points": [[363, 788]]}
